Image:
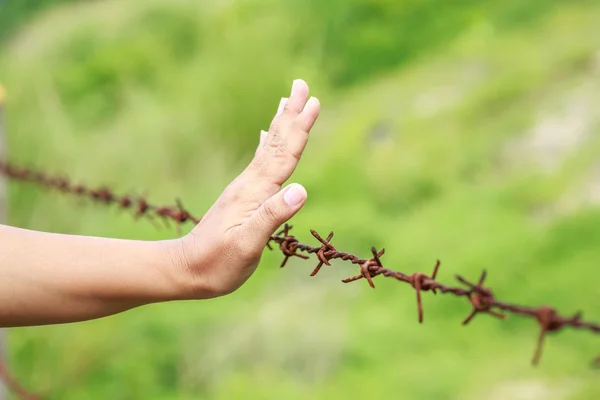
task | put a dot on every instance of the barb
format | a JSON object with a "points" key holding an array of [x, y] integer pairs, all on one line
{"points": [[138, 206], [482, 299]]}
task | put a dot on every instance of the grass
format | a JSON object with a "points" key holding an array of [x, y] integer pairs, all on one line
{"points": [[415, 161]]}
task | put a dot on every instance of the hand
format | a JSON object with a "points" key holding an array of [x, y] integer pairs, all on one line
{"points": [[224, 249]]}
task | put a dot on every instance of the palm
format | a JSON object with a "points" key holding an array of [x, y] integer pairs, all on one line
{"points": [[224, 249]]}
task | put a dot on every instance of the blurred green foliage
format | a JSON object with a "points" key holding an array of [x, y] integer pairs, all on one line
{"points": [[14, 13], [361, 38], [92, 72], [461, 130], [353, 40]]}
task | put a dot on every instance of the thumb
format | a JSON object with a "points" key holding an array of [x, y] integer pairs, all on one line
{"points": [[277, 210]]}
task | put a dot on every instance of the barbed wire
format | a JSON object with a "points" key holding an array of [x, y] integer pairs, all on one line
{"points": [[481, 298], [137, 205]]}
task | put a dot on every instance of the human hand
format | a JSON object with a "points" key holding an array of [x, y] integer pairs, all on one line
{"points": [[224, 249]]}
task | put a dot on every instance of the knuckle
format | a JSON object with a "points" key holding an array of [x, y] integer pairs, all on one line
{"points": [[291, 109], [299, 126], [268, 213], [277, 147], [275, 126], [277, 143], [296, 155]]}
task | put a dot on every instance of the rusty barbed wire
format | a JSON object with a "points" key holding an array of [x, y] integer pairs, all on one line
{"points": [[481, 298], [137, 205]]}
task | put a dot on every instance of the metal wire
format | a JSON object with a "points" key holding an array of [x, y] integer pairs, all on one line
{"points": [[481, 298]]}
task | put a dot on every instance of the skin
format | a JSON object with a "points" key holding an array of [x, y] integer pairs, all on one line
{"points": [[48, 278]]}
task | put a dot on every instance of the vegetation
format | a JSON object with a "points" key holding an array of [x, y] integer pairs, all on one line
{"points": [[464, 132]]}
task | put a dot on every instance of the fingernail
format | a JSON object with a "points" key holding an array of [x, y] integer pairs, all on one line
{"points": [[263, 137], [282, 104], [294, 86], [294, 194], [310, 102]]}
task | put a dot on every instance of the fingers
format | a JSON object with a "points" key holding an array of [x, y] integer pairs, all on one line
{"points": [[287, 137], [298, 138], [298, 97], [274, 212], [263, 134], [282, 105], [309, 115]]}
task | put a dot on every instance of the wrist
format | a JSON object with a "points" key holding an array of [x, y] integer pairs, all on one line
{"points": [[184, 270], [144, 275]]}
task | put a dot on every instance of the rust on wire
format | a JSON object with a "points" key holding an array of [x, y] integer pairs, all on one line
{"points": [[137, 205], [481, 298]]}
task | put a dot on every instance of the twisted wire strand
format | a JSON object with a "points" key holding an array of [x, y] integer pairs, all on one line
{"points": [[480, 297]]}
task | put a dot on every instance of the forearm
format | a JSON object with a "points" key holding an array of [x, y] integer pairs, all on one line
{"points": [[48, 278]]}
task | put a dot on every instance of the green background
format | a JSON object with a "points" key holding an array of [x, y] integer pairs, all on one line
{"points": [[460, 130]]}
